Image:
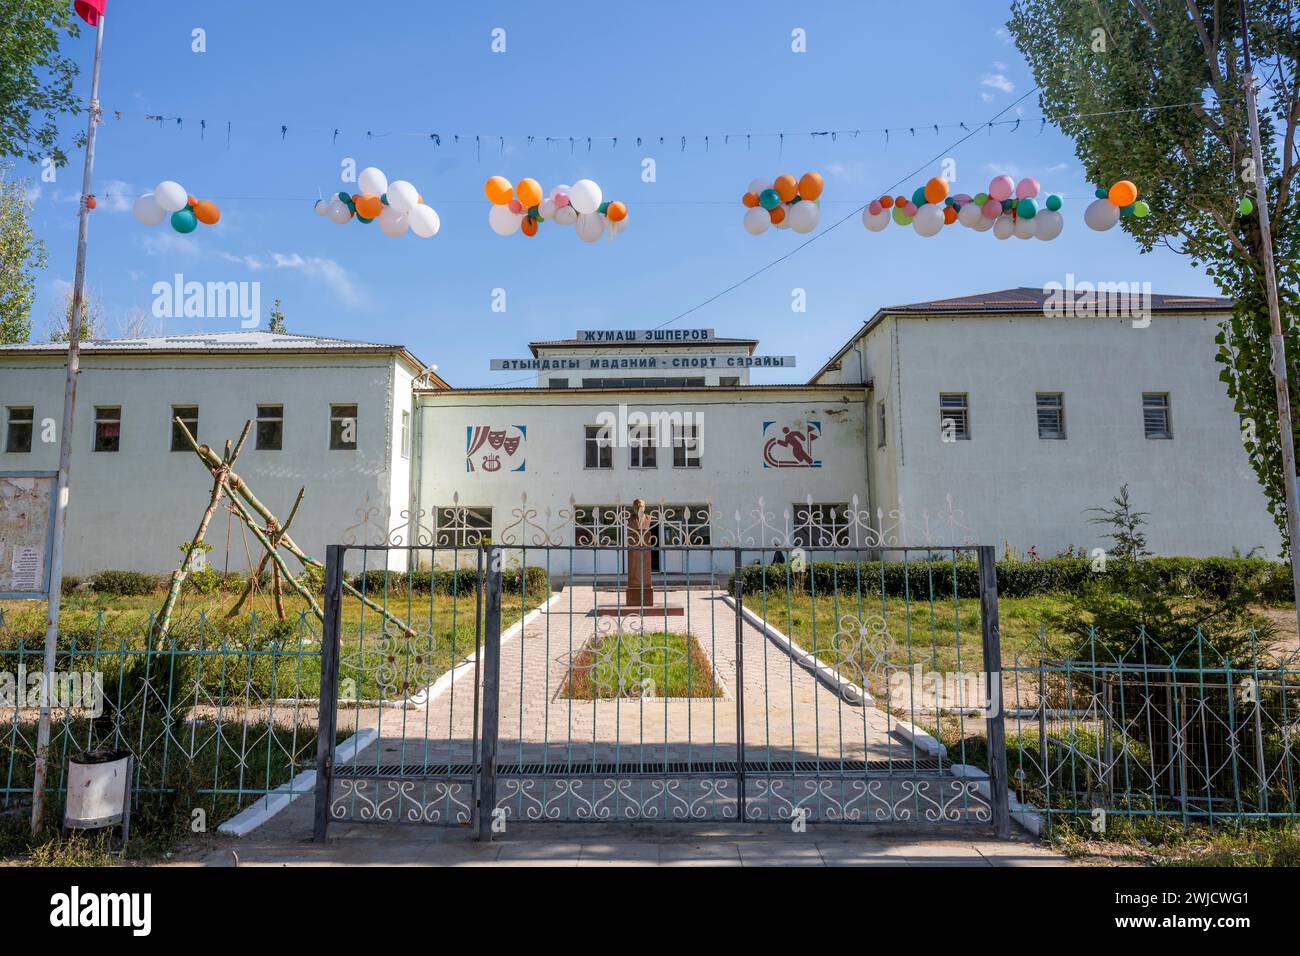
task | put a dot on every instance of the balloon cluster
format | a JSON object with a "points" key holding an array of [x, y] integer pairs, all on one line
{"points": [[1008, 208], [785, 202], [524, 207], [170, 199], [397, 205], [1120, 200]]}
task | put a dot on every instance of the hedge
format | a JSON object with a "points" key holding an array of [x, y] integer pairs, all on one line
{"points": [[459, 581], [123, 583], [1218, 577]]}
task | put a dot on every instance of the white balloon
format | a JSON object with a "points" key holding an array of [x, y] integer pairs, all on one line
{"points": [[148, 211], [616, 227], [322, 207], [1049, 224], [590, 225], [566, 215], [372, 180], [171, 196], [338, 211], [1025, 228], [877, 222], [928, 220], [1003, 227], [1101, 215], [757, 220], [503, 221], [562, 188], [803, 216], [758, 185], [984, 224], [424, 221], [546, 209], [402, 196], [968, 215], [392, 223], [585, 196]]}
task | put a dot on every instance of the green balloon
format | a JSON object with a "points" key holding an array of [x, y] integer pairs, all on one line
{"points": [[1141, 209], [183, 220], [1053, 202], [1245, 207], [1027, 208], [532, 211], [603, 207], [1126, 210], [346, 198], [1101, 193], [364, 219], [981, 198], [900, 215], [769, 199], [384, 199], [918, 196]]}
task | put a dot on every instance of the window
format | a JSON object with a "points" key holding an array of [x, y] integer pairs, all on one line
{"points": [[641, 440], [461, 527], [18, 436], [1155, 415], [343, 428], [599, 447], [880, 424], [596, 525], [686, 446], [1051, 415], [821, 526], [558, 383], [108, 428], [954, 409], [406, 434], [189, 414], [729, 380], [270, 427]]}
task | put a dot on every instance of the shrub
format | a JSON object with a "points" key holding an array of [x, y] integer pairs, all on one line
{"points": [[313, 579], [203, 581], [70, 583], [123, 583], [462, 581]]}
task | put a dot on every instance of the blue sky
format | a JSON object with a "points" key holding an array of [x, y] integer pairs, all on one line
{"points": [[574, 69]]}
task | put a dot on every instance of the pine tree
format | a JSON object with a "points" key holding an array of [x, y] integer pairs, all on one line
{"points": [[277, 319]]}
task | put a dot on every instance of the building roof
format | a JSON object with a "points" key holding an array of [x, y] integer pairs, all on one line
{"points": [[1023, 300], [250, 341], [749, 344]]}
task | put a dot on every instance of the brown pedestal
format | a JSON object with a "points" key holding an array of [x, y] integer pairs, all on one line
{"points": [[640, 596]]}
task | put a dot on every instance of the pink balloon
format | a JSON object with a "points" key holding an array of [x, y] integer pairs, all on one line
{"points": [[991, 209], [561, 199], [515, 205], [961, 199], [1000, 188], [1027, 188], [875, 207], [910, 209]]}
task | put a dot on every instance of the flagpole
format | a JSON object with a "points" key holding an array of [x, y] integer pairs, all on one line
{"points": [[65, 450]]}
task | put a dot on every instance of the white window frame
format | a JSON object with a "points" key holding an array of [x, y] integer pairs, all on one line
{"points": [[603, 441], [260, 418], [1165, 406], [406, 434], [686, 438], [822, 524], [461, 526], [1059, 408], [961, 433], [11, 421], [642, 446], [356, 425]]}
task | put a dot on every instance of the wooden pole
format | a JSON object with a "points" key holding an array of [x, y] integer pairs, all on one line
{"points": [[266, 558]]}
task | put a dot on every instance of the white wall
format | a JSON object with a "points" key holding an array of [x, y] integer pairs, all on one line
{"points": [[731, 475], [131, 509], [1010, 485]]}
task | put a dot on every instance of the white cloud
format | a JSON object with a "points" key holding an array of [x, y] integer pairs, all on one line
{"points": [[116, 196], [999, 66], [250, 262], [1002, 34], [327, 270], [997, 81], [169, 243], [986, 97]]}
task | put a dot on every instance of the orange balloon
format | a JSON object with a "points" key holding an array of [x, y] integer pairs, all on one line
{"points": [[616, 211], [499, 191], [369, 205], [529, 226], [887, 202], [936, 190], [810, 186], [786, 187], [750, 200], [191, 201], [206, 211], [528, 192], [1123, 193], [777, 214], [949, 215]]}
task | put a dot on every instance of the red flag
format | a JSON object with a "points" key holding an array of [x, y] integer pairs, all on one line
{"points": [[90, 10]]}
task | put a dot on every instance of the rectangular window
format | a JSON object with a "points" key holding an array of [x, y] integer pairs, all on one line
{"points": [[1051, 415], [641, 441], [954, 416], [686, 446], [598, 447], [1155, 415], [559, 383], [18, 435], [880, 424], [406, 434], [821, 526], [343, 428], [108, 428], [270, 427], [597, 525], [461, 527], [729, 380], [189, 414]]}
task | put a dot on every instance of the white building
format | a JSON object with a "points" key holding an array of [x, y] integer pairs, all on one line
{"points": [[980, 419]]}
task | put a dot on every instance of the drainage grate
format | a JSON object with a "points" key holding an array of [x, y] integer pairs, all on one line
{"points": [[706, 768]]}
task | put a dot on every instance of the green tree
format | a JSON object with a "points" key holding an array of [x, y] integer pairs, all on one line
{"points": [[21, 253], [92, 319], [277, 319], [1128, 540], [1152, 91], [35, 78]]}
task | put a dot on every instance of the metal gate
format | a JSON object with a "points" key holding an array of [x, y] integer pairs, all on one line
{"points": [[808, 682]]}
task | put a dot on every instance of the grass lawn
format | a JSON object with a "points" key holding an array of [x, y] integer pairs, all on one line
{"points": [[650, 664]]}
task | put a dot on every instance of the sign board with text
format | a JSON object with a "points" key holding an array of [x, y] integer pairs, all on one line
{"points": [[26, 533], [660, 363]]}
